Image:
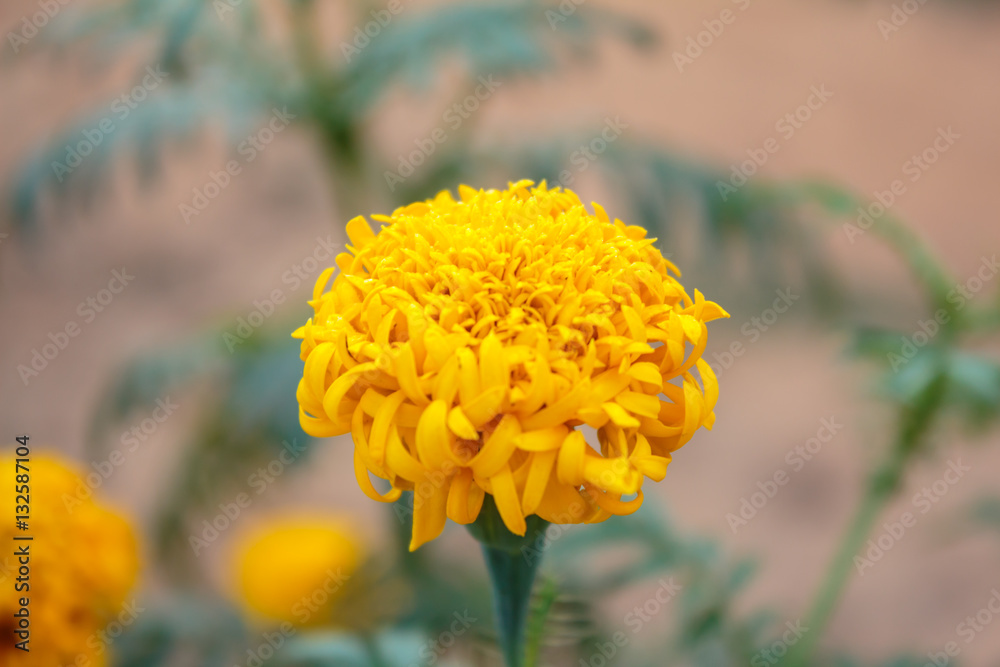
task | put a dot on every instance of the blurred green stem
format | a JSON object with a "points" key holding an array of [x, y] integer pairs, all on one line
{"points": [[916, 421], [916, 418], [375, 658], [536, 624], [983, 319], [337, 127], [896, 234], [306, 43], [937, 282]]}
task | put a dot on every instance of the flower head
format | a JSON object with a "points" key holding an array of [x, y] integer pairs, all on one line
{"points": [[83, 562], [294, 569], [465, 343]]}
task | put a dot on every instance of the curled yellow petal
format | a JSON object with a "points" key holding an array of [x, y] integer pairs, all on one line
{"points": [[465, 498], [542, 440], [399, 459], [406, 375], [434, 442], [359, 232], [571, 459], [365, 482], [498, 448], [379, 438], [508, 504], [612, 503], [620, 416], [320, 428], [430, 500], [460, 424], [538, 479]]}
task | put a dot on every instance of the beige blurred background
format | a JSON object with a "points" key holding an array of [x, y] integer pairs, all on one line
{"points": [[889, 98]]}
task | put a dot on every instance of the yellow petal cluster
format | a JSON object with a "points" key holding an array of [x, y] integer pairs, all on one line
{"points": [[465, 343], [83, 562], [294, 569]]}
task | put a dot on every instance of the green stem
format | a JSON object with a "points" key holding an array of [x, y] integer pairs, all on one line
{"points": [[918, 257], [874, 501], [373, 651], [306, 42], [915, 423], [512, 578], [512, 563], [916, 420], [983, 319], [339, 132]]}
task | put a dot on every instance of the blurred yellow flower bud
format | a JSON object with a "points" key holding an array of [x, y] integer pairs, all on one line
{"points": [[295, 569]]}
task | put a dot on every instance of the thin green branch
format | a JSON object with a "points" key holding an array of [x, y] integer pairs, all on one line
{"points": [[915, 253], [916, 422]]}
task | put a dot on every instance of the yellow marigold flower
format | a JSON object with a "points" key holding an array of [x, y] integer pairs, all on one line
{"points": [[463, 344], [83, 562], [295, 569]]}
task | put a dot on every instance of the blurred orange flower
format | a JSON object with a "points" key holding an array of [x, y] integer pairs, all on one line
{"points": [[82, 562]]}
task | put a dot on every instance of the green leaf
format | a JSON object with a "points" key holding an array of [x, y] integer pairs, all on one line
{"points": [[326, 649], [499, 39], [912, 378], [974, 382], [170, 115], [987, 511], [875, 343], [153, 376], [391, 648], [203, 630]]}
